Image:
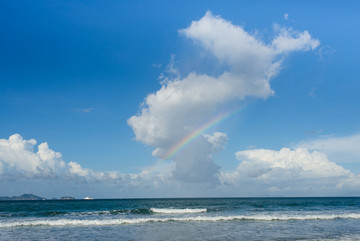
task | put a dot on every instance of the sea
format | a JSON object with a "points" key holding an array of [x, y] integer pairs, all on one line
{"points": [[182, 219]]}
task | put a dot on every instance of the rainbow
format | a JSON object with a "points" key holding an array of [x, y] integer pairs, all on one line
{"points": [[194, 134]]}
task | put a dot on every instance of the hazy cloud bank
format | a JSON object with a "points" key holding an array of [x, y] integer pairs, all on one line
{"points": [[22, 159], [285, 172], [341, 149]]}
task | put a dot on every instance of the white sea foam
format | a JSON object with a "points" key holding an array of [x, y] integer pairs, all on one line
{"points": [[106, 222], [178, 211]]}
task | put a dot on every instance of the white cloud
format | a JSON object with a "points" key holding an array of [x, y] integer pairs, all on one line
{"points": [[325, 52], [296, 163], [155, 65], [339, 149], [218, 140], [18, 156], [19, 159], [182, 105], [312, 92], [287, 17], [170, 73], [290, 172], [86, 110], [289, 40]]}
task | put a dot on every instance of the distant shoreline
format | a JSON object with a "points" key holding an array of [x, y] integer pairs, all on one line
{"points": [[32, 197]]}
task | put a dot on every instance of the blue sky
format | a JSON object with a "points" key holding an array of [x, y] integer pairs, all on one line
{"points": [[73, 73]]}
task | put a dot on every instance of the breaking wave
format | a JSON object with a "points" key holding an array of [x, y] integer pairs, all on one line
{"points": [[106, 222]]}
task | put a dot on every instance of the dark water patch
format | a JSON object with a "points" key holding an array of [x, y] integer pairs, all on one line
{"points": [[143, 211], [51, 214]]}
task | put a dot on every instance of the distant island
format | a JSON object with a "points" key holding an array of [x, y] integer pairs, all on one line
{"points": [[22, 197], [67, 198], [33, 197]]}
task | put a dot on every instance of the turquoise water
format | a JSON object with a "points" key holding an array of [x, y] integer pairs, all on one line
{"points": [[182, 219]]}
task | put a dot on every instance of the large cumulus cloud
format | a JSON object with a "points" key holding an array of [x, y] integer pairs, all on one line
{"points": [[181, 105]]}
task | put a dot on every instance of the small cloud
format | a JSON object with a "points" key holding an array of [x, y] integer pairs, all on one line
{"points": [[85, 110], [325, 52], [155, 65], [286, 17], [313, 132], [312, 92], [171, 72], [250, 147]]}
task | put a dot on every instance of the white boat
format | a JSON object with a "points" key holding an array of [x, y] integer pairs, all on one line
{"points": [[88, 198]]}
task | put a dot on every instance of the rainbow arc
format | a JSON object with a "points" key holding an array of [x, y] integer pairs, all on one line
{"points": [[197, 132]]}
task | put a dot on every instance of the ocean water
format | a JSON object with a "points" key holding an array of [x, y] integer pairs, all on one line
{"points": [[182, 219]]}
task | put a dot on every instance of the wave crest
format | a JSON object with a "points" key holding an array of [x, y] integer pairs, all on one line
{"points": [[107, 222]]}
